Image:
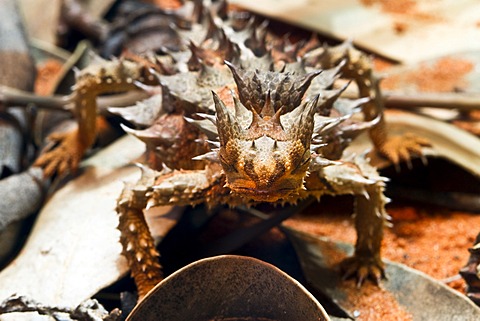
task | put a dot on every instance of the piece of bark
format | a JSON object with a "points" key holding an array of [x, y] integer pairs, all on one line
{"points": [[448, 142], [22, 194], [10, 147], [89, 310], [17, 71]]}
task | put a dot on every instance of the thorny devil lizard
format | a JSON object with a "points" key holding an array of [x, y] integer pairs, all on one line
{"points": [[239, 116]]}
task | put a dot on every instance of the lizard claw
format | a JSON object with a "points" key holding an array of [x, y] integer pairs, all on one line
{"points": [[63, 156], [402, 148], [363, 268]]}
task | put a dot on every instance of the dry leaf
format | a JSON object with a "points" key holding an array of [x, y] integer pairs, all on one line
{"points": [[448, 141], [74, 250], [406, 31]]}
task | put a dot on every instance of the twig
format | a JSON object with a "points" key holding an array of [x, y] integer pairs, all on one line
{"points": [[89, 310], [22, 195], [14, 97], [459, 101], [392, 99]]}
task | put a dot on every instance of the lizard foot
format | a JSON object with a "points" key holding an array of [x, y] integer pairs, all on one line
{"points": [[63, 155], [403, 147], [362, 268]]}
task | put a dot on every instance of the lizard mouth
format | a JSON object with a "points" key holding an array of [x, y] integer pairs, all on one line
{"points": [[263, 195]]}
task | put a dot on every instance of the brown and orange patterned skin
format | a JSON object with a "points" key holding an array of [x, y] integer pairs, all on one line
{"points": [[239, 119]]}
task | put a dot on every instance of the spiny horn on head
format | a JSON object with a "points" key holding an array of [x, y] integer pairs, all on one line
{"points": [[303, 130], [267, 109], [195, 60], [237, 74], [304, 82], [291, 88], [249, 90], [227, 125], [212, 28]]}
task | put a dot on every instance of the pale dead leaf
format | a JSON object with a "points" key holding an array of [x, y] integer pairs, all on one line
{"points": [[74, 250]]}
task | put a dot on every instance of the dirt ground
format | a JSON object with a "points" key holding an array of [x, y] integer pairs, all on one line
{"points": [[429, 239]]}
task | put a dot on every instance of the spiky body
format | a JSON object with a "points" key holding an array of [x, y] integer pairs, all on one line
{"points": [[238, 117]]}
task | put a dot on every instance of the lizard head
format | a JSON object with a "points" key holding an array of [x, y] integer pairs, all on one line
{"points": [[264, 151], [269, 138], [265, 145]]}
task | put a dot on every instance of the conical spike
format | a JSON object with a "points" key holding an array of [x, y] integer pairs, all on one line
{"points": [[242, 114], [276, 117], [256, 119], [236, 75], [267, 109], [193, 47], [240, 110], [227, 125], [198, 10], [210, 156], [206, 126], [220, 107], [210, 117], [195, 61], [212, 28], [213, 143], [306, 80]]}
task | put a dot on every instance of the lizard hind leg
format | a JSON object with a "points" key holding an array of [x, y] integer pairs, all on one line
{"points": [[137, 242]]}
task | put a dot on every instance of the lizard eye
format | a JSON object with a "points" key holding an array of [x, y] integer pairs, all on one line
{"points": [[305, 159], [227, 166]]}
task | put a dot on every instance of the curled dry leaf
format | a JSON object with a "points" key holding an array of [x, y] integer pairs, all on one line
{"points": [[448, 141], [406, 31]]}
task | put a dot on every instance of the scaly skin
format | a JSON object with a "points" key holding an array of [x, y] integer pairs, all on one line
{"points": [[282, 140], [262, 154]]}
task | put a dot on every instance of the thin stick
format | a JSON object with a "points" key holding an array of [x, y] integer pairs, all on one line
{"points": [[14, 97], [462, 102]]}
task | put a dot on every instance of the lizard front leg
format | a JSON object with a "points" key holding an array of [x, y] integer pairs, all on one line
{"points": [[359, 68], [136, 239], [369, 221], [158, 188], [99, 78], [359, 178]]}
